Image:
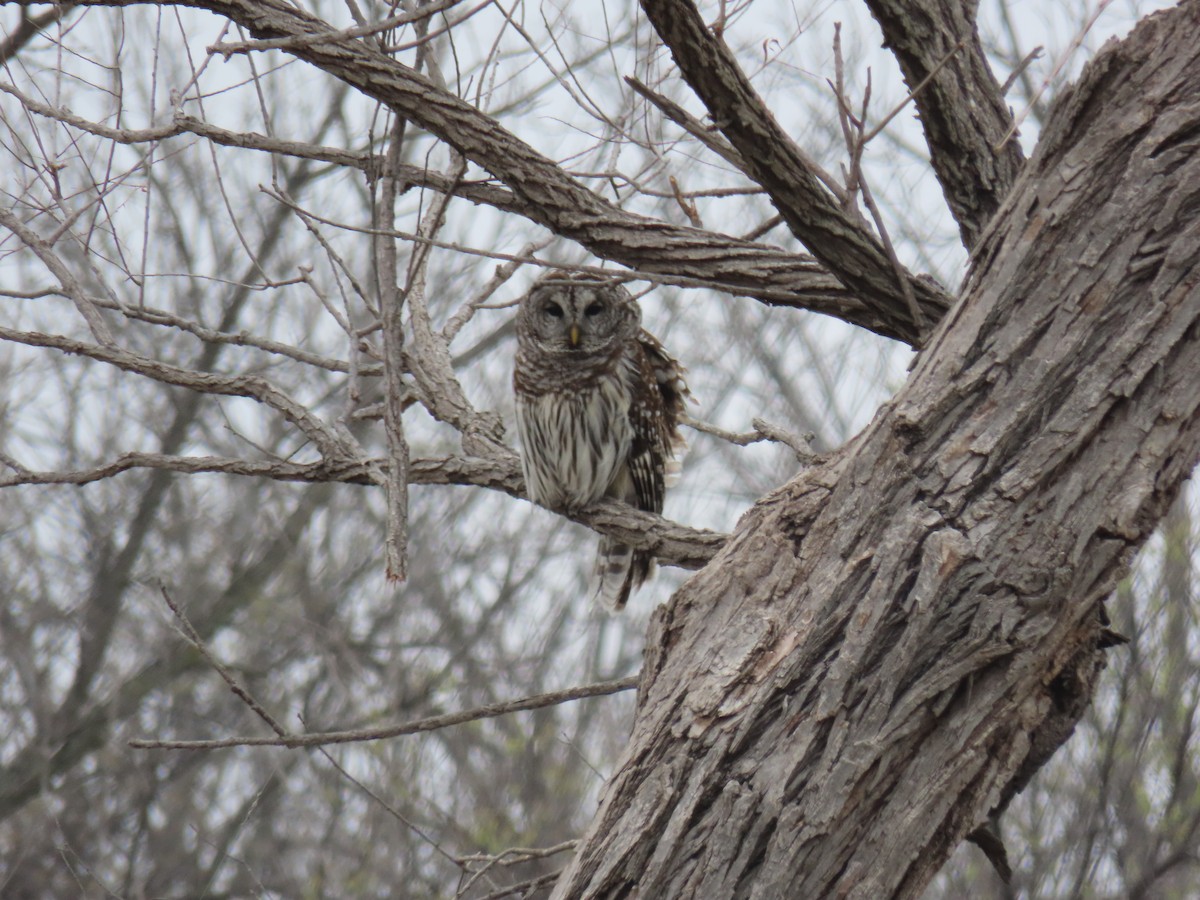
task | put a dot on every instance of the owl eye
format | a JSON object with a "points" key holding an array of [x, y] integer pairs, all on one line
{"points": [[553, 309], [593, 309]]}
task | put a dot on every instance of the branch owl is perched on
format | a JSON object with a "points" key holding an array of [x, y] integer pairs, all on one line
{"points": [[598, 408]]}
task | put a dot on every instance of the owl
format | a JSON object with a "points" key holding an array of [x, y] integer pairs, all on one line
{"points": [[598, 407]]}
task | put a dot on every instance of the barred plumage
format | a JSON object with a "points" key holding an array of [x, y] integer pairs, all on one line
{"points": [[598, 408]]}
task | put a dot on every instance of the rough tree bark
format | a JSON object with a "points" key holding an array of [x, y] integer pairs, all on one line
{"points": [[863, 672]]}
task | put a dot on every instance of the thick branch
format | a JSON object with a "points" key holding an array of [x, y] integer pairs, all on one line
{"points": [[673, 544], [840, 241], [872, 660], [550, 197], [962, 108]]}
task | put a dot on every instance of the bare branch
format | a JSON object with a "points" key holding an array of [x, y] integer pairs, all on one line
{"points": [[365, 472], [764, 292], [511, 857], [165, 319], [1062, 60], [417, 176], [763, 431], [912, 94], [517, 855], [551, 198], [391, 317], [525, 888], [29, 28], [188, 632], [71, 288], [693, 126], [961, 108], [433, 723], [672, 543], [332, 446], [419, 15], [500, 277], [1020, 69], [837, 238]]}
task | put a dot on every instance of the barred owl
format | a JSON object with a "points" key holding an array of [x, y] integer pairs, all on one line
{"points": [[598, 408]]}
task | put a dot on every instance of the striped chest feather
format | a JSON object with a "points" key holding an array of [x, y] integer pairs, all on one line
{"points": [[575, 442]]}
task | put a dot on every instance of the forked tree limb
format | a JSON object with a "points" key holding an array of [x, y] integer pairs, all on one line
{"points": [[864, 671], [841, 241], [28, 28], [962, 108]]}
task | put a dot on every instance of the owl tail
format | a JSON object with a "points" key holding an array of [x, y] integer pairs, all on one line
{"points": [[619, 569]]}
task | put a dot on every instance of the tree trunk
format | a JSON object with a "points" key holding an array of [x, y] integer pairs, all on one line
{"points": [[888, 643]]}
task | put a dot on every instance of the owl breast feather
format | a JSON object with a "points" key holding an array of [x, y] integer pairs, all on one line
{"points": [[575, 443]]}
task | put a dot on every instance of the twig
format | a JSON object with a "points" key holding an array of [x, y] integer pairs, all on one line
{"points": [[613, 176], [432, 723], [1019, 69], [510, 857], [476, 191], [689, 123], [527, 886], [390, 809], [391, 317], [320, 37], [426, 36], [800, 444], [29, 28], [44, 250], [770, 295], [429, 361], [906, 290], [479, 301], [1054, 73], [688, 206], [153, 316], [755, 233], [845, 120], [195, 640], [517, 855], [853, 131], [874, 132], [763, 431], [331, 446], [339, 267]]}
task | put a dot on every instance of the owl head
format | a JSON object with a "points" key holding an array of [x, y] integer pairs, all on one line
{"points": [[577, 314]]}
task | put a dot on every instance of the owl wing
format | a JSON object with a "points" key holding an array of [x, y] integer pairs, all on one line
{"points": [[656, 414], [657, 400], [657, 393]]}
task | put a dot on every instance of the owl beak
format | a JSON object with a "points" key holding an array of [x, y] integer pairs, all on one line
{"points": [[573, 336]]}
